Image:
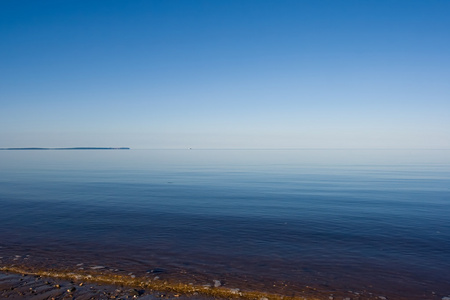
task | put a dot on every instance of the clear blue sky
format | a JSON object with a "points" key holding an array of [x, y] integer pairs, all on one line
{"points": [[225, 74]]}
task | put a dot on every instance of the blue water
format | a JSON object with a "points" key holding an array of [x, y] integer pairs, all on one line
{"points": [[369, 221]]}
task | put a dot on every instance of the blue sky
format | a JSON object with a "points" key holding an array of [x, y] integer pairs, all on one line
{"points": [[225, 74]]}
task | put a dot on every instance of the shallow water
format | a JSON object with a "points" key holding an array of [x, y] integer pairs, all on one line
{"points": [[374, 222]]}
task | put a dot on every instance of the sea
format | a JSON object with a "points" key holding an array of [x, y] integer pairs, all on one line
{"points": [[323, 223]]}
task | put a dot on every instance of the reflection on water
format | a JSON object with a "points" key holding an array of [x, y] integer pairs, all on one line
{"points": [[335, 220]]}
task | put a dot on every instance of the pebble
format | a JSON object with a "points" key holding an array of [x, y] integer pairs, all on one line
{"points": [[217, 283], [97, 267]]}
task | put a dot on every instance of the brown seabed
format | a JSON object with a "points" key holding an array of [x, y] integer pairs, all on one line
{"points": [[18, 283]]}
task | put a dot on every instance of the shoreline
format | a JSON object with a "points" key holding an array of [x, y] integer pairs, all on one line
{"points": [[22, 280], [22, 283]]}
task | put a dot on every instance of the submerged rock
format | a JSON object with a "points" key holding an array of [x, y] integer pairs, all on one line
{"points": [[97, 267]]}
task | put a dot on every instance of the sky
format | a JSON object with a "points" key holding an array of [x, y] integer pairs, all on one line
{"points": [[225, 74]]}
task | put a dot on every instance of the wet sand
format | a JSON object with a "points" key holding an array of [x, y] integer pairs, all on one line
{"points": [[20, 279], [65, 278], [21, 285], [36, 287], [16, 283]]}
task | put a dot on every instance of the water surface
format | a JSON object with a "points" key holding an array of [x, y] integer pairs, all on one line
{"points": [[374, 222]]}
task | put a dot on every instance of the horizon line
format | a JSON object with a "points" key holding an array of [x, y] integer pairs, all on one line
{"points": [[314, 148], [206, 148]]}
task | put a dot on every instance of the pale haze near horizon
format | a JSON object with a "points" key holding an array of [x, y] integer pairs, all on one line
{"points": [[225, 74]]}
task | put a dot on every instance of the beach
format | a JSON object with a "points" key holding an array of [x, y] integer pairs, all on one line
{"points": [[21, 280], [26, 286], [18, 283], [22, 285]]}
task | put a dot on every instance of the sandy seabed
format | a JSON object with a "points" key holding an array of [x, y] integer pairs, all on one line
{"points": [[20, 280], [21, 285]]}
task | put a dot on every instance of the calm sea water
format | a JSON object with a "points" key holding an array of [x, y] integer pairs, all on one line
{"points": [[374, 222]]}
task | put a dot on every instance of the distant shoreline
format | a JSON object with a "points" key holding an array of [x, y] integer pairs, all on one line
{"points": [[73, 148]]}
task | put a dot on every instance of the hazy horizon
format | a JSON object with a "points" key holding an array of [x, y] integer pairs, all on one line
{"points": [[234, 74]]}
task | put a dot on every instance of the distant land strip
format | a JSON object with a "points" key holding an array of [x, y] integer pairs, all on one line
{"points": [[73, 148]]}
